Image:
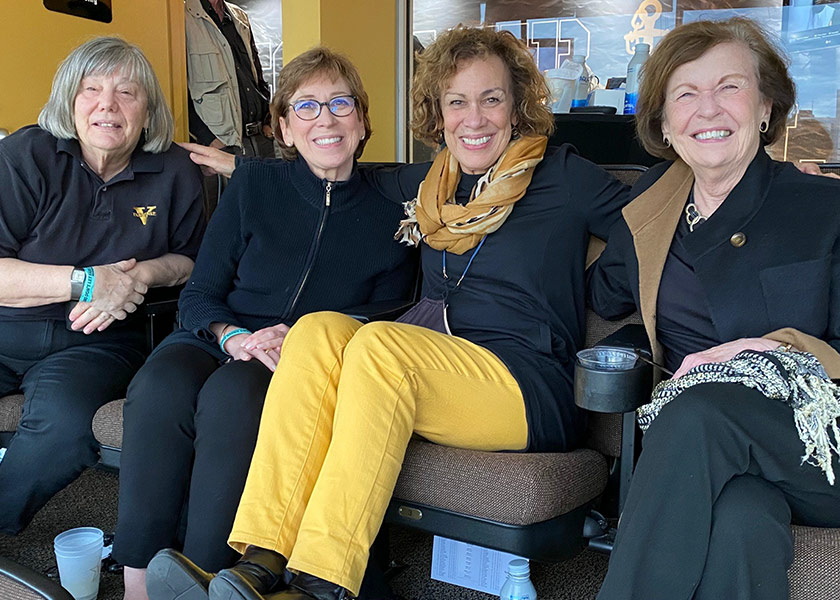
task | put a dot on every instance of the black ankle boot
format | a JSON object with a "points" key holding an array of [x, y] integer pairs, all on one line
{"points": [[257, 573], [171, 575], [306, 587]]}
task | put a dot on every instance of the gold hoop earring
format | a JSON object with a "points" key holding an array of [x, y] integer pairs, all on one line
{"points": [[763, 127]]}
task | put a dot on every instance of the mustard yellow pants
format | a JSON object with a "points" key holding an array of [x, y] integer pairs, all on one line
{"points": [[339, 413]]}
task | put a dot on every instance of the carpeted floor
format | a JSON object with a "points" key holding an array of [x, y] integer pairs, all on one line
{"points": [[92, 501]]}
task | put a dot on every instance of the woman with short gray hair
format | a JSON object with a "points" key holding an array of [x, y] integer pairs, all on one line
{"points": [[96, 207]]}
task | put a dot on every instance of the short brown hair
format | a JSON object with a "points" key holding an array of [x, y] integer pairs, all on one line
{"points": [[689, 42], [317, 62], [440, 61]]}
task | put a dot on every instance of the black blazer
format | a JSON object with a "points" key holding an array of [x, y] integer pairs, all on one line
{"points": [[768, 258]]}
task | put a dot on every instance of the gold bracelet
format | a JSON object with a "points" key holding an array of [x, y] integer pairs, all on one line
{"points": [[784, 347]]}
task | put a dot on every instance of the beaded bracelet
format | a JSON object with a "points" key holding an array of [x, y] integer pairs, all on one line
{"points": [[87, 289], [229, 335]]}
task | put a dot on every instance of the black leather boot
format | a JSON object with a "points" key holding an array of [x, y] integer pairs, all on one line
{"points": [[257, 573], [171, 575], [306, 587]]}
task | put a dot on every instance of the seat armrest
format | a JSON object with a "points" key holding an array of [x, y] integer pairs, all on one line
{"points": [[161, 301], [616, 391], [387, 310], [631, 336], [29, 579]]}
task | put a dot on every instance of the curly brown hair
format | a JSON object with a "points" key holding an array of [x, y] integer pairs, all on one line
{"points": [[689, 42], [312, 64], [438, 63]]}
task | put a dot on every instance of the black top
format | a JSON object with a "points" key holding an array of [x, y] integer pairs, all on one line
{"points": [[54, 209], [784, 272], [683, 322], [275, 250], [523, 297], [253, 93]]}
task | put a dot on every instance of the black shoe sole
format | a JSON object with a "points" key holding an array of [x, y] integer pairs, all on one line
{"points": [[171, 577]]}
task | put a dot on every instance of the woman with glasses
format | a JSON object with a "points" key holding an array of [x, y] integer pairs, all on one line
{"points": [[483, 362], [289, 237]]}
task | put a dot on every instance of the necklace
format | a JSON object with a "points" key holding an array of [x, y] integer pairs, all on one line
{"points": [[693, 216]]}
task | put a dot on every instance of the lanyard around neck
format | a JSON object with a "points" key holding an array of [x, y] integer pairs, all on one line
{"points": [[467, 268]]}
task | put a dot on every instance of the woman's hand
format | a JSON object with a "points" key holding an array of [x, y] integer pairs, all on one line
{"points": [[211, 160], [724, 352], [268, 338], [813, 169], [115, 294], [267, 351]]}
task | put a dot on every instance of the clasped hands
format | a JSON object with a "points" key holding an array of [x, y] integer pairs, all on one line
{"points": [[117, 291], [264, 345]]}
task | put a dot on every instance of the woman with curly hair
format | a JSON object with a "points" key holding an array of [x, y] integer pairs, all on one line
{"points": [[483, 362]]}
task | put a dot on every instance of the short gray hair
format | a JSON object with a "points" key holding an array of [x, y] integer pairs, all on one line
{"points": [[105, 56]]}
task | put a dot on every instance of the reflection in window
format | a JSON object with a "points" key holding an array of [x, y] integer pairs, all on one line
{"points": [[608, 30]]}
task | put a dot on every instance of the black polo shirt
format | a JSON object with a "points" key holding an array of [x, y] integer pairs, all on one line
{"points": [[54, 209]]}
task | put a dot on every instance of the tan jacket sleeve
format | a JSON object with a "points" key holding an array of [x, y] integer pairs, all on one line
{"points": [[828, 356]]}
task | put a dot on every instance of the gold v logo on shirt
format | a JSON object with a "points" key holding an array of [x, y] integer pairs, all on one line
{"points": [[144, 212]]}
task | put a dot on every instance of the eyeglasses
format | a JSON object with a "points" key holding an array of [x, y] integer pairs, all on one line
{"points": [[309, 110]]}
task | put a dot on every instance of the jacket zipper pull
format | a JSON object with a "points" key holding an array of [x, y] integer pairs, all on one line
{"points": [[329, 189]]}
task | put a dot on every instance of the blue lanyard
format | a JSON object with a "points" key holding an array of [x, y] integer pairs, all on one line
{"points": [[467, 268]]}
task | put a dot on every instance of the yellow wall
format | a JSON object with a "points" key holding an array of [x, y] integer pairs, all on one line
{"points": [[35, 40], [367, 33]]}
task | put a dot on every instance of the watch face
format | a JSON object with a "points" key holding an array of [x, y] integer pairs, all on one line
{"points": [[78, 276]]}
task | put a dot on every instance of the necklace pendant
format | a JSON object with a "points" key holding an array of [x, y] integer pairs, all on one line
{"points": [[693, 216]]}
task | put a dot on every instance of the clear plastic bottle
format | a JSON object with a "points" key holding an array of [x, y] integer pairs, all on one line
{"points": [[562, 83], [518, 584], [631, 92], [582, 87]]}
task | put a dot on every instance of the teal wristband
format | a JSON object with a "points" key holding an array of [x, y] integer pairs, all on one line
{"points": [[229, 335], [87, 289]]}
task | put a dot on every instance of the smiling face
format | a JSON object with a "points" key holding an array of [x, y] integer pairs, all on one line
{"points": [[326, 143], [713, 109], [109, 113], [477, 108]]}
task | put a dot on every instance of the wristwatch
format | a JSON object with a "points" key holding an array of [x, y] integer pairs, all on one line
{"points": [[77, 283]]}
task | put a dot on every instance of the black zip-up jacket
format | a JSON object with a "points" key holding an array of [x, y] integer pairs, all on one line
{"points": [[283, 243]]}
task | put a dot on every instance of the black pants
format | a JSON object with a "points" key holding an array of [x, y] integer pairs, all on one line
{"points": [[190, 426], [714, 493], [65, 376]]}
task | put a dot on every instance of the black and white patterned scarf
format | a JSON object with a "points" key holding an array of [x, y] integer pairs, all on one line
{"points": [[795, 378]]}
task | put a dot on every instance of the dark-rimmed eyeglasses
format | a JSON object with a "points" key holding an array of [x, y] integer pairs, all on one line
{"points": [[309, 110]]}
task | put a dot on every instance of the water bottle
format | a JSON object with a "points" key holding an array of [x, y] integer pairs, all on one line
{"points": [[631, 93], [518, 584], [582, 87], [562, 83]]}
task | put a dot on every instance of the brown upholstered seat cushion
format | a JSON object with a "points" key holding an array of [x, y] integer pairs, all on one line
{"points": [[508, 487], [815, 573], [108, 424], [10, 409], [22, 583], [12, 590]]}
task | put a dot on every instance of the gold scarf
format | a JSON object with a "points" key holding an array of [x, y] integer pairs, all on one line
{"points": [[446, 225]]}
